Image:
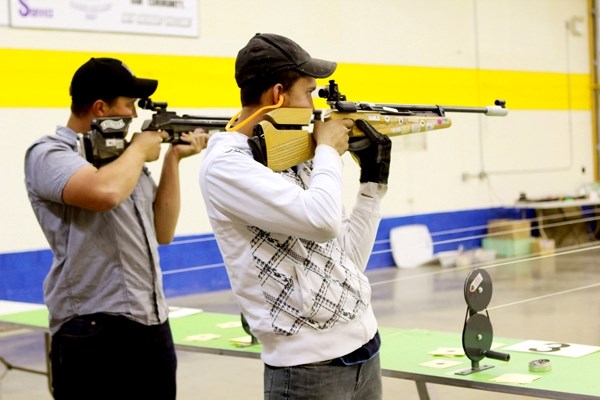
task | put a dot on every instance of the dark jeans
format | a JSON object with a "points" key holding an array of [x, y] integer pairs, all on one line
{"points": [[324, 381], [111, 357]]}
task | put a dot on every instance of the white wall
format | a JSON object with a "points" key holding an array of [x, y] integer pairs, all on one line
{"points": [[537, 151]]}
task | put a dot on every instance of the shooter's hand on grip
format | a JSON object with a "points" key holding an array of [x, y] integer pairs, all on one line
{"points": [[333, 133], [374, 158], [190, 143], [147, 143]]}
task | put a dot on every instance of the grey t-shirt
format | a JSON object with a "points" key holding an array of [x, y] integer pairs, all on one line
{"points": [[103, 261]]}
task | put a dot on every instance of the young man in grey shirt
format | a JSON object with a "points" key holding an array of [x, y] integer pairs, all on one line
{"points": [[104, 221]]}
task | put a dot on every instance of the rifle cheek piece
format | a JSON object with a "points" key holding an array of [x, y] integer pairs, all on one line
{"points": [[105, 142]]}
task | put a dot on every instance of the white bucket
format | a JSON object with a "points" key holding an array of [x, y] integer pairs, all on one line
{"points": [[411, 245]]}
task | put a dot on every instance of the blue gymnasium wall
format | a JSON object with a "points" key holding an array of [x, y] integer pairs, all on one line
{"points": [[193, 264]]}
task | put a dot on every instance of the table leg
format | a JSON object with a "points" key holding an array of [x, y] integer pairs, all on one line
{"points": [[422, 390], [539, 216], [48, 363], [10, 366]]}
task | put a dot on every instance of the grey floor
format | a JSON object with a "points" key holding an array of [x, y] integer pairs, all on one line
{"points": [[553, 298]]}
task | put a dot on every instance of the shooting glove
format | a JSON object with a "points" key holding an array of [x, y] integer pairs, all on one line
{"points": [[372, 153]]}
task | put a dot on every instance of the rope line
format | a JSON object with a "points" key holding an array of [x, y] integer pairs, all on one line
{"points": [[514, 260], [538, 222], [546, 296]]}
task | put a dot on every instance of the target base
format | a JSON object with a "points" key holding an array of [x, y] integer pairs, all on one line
{"points": [[475, 367]]}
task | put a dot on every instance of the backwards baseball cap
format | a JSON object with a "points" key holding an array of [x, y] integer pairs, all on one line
{"points": [[267, 54], [105, 78]]}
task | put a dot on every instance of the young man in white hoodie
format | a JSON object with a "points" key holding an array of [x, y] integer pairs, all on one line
{"points": [[295, 261]]}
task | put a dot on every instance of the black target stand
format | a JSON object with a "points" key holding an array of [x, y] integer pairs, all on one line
{"points": [[478, 333]]}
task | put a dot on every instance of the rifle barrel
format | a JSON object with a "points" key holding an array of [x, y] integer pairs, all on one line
{"points": [[491, 111], [200, 121]]}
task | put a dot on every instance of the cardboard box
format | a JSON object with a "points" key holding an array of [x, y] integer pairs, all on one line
{"points": [[509, 228], [545, 265], [543, 247], [508, 247]]}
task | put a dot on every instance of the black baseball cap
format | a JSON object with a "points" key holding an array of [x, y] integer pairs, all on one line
{"points": [[106, 78], [268, 53]]}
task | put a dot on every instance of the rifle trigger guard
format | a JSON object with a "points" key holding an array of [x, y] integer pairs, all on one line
{"points": [[359, 144]]}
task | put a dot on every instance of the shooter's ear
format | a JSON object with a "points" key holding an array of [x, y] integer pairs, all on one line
{"points": [[99, 108]]}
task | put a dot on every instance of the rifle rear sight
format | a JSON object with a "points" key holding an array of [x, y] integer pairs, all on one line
{"points": [[148, 104], [331, 93]]}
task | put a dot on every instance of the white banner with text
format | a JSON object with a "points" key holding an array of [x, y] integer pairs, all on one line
{"points": [[149, 17], [3, 12]]}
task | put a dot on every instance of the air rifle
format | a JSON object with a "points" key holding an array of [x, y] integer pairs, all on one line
{"points": [[105, 142], [283, 140], [175, 125]]}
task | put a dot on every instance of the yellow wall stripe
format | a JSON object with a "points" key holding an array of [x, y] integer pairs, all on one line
{"points": [[40, 78]]}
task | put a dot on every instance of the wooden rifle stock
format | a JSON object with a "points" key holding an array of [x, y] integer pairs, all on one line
{"points": [[392, 125], [286, 139], [284, 135]]}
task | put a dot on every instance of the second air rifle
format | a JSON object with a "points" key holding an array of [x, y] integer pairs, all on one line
{"points": [[175, 125], [283, 140]]}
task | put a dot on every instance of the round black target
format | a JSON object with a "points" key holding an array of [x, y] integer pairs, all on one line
{"points": [[477, 337], [478, 289]]}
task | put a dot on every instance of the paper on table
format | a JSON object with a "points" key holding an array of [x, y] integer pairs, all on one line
{"points": [[203, 337], [440, 363], [456, 351], [177, 312], [232, 324], [242, 341], [515, 378], [553, 348], [448, 352]]}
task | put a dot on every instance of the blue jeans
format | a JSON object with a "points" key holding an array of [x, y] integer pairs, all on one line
{"points": [[324, 381], [102, 356]]}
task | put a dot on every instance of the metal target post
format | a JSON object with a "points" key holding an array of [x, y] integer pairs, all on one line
{"points": [[478, 334]]}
